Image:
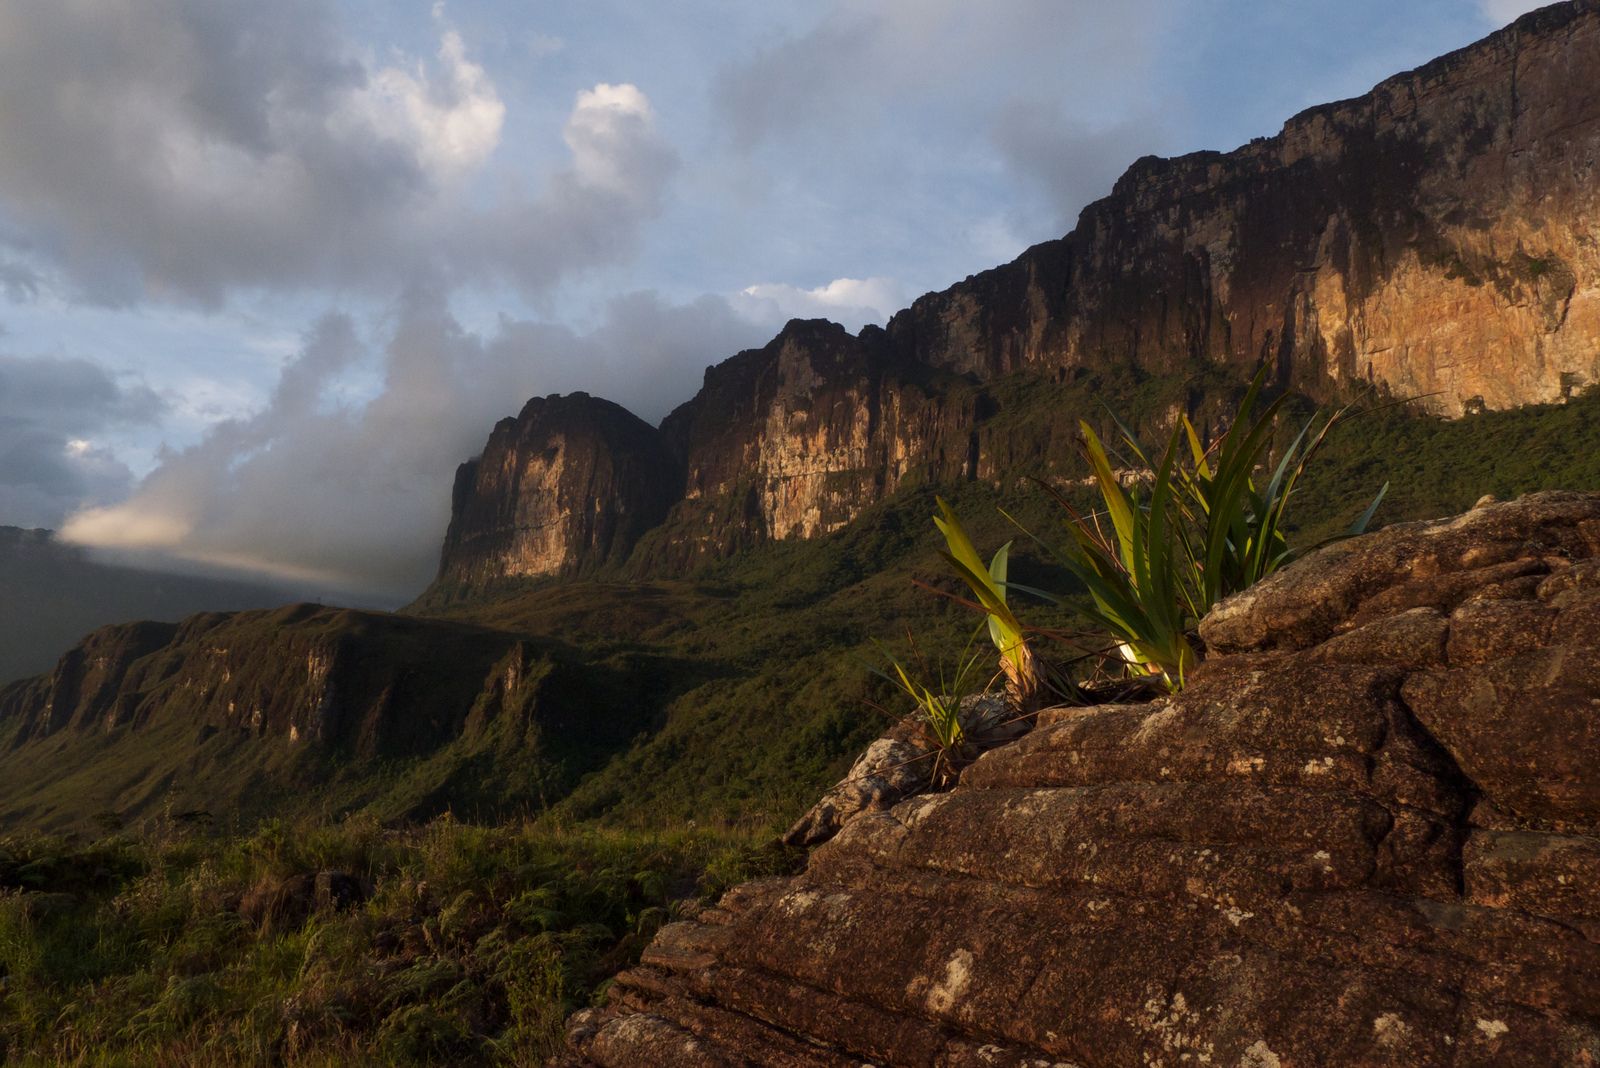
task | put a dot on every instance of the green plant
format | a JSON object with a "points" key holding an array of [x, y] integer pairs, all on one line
{"points": [[956, 723], [1202, 532], [1136, 575], [1183, 535], [988, 584]]}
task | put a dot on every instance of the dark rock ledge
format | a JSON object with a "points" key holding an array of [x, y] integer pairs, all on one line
{"points": [[1367, 834]]}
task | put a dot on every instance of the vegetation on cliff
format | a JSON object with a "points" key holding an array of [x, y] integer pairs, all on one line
{"points": [[1168, 540]]}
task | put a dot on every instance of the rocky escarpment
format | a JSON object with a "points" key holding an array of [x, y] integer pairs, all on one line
{"points": [[796, 438], [1367, 833], [570, 483], [1433, 238], [241, 711]]}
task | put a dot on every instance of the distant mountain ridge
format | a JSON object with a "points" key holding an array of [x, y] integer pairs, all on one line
{"points": [[52, 593], [1430, 239]]}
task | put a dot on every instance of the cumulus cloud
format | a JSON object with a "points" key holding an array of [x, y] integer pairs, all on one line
{"points": [[852, 302], [313, 492], [1501, 12], [452, 122], [53, 414], [185, 148]]}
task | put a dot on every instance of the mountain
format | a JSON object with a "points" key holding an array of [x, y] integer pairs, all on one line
{"points": [[1431, 239], [52, 593], [569, 484], [308, 708], [697, 599]]}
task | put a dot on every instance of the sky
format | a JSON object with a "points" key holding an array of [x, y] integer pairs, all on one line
{"points": [[269, 272]]}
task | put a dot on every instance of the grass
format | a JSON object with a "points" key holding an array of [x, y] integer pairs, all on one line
{"points": [[474, 945]]}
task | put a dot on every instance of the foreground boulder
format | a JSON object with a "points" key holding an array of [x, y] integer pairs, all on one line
{"points": [[1368, 833]]}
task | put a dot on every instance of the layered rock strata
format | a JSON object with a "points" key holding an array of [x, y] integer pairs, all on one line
{"points": [[1434, 238], [1368, 833], [364, 684]]}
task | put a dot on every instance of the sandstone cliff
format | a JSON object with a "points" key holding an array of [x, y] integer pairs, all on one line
{"points": [[795, 439], [567, 485], [1367, 834], [1434, 238]]}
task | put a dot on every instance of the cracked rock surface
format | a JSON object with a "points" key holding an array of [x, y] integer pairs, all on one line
{"points": [[1368, 833]]}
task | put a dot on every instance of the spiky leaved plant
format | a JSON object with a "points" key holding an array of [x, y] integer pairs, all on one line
{"points": [[955, 729], [1183, 535], [1024, 683], [1136, 575], [1202, 532]]}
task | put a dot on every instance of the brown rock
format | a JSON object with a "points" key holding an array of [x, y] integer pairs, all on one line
{"points": [[1432, 239], [569, 484], [1430, 236], [1369, 837]]}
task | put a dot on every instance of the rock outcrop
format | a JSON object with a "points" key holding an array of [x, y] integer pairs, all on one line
{"points": [[569, 484], [1434, 239], [1368, 833], [796, 438]]}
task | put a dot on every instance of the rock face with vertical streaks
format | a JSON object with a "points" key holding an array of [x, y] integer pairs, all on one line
{"points": [[1435, 239], [1368, 833], [1436, 236], [567, 485]]}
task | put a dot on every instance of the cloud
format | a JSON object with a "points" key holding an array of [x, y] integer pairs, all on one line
{"points": [[185, 149], [866, 59], [1068, 162], [18, 281], [359, 497], [852, 302], [1502, 12], [53, 413], [451, 122]]}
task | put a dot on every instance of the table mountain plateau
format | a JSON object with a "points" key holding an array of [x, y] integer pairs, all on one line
{"points": [[678, 604], [1434, 239]]}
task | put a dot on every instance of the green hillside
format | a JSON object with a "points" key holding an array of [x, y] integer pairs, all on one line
{"points": [[675, 726]]}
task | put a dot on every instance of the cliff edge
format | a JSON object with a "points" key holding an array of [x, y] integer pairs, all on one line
{"points": [[1433, 239], [1367, 833]]}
